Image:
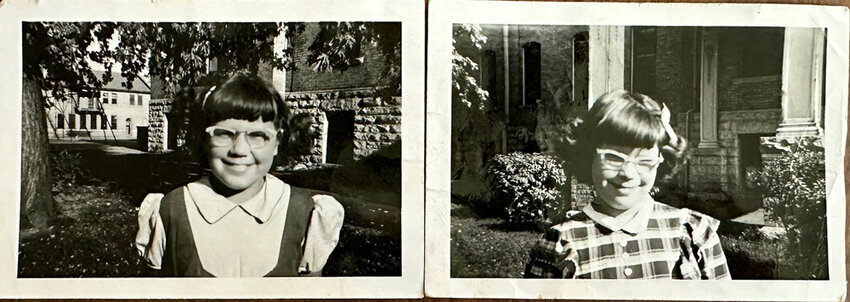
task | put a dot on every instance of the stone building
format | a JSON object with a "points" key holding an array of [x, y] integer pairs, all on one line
{"points": [[535, 76], [733, 91], [350, 120], [110, 113]]}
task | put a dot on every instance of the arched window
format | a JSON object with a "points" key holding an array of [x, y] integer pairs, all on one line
{"points": [[530, 73], [580, 71]]}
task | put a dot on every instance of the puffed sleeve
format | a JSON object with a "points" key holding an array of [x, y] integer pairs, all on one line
{"points": [[150, 239], [322, 234], [705, 246], [552, 256]]}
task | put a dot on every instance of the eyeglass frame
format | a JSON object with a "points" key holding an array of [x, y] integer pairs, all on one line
{"points": [[626, 159], [271, 134]]}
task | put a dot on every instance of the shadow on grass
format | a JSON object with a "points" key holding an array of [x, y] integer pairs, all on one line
{"points": [[97, 222]]}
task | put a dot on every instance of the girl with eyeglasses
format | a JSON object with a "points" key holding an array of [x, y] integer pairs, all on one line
{"points": [[240, 221], [623, 144]]}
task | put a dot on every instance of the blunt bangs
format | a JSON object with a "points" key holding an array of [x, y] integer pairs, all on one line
{"points": [[247, 99]]}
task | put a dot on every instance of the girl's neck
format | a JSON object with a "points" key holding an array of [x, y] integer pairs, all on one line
{"points": [[237, 196], [603, 208]]}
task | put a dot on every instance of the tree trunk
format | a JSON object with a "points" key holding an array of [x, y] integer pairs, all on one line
{"points": [[37, 204]]}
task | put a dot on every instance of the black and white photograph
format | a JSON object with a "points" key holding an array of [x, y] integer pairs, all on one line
{"points": [[637, 152], [220, 148]]}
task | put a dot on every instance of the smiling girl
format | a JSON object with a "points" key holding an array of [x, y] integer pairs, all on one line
{"points": [[623, 144], [240, 221]]}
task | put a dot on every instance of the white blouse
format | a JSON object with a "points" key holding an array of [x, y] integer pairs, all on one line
{"points": [[241, 240]]}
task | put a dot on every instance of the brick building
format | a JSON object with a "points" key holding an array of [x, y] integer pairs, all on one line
{"points": [[110, 113]]}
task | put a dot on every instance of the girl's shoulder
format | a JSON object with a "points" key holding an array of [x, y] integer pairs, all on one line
{"points": [[698, 226], [323, 203]]}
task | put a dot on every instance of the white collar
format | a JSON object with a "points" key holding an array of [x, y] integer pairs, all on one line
{"points": [[633, 220], [213, 207]]}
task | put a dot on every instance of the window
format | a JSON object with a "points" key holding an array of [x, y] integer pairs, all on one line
{"points": [[103, 122], [132, 99], [72, 121], [83, 121], [489, 81], [644, 46], [104, 95], [60, 121], [93, 124], [139, 99], [114, 121], [581, 72], [761, 51], [114, 98], [530, 73]]}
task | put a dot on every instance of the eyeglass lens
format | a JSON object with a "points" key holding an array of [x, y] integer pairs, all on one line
{"points": [[614, 160], [222, 137]]}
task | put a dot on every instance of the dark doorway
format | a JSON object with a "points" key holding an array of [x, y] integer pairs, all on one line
{"points": [[340, 140], [749, 158]]}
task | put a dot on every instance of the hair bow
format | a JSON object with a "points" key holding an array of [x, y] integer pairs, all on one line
{"points": [[665, 121], [207, 96]]}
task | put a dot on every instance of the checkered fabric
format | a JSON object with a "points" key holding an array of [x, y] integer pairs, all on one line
{"points": [[677, 244]]}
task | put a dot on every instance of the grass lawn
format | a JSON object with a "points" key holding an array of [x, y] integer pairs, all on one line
{"points": [[91, 237], [96, 222], [485, 248]]}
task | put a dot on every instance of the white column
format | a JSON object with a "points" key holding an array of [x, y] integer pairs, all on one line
{"points": [[507, 74], [607, 60], [802, 76], [708, 91], [279, 76]]}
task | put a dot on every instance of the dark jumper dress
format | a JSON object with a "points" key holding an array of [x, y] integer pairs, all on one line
{"points": [[180, 257]]}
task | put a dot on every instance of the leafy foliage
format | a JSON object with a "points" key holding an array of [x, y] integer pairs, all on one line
{"points": [[475, 132], [793, 185], [340, 46], [528, 187], [465, 88], [178, 52]]}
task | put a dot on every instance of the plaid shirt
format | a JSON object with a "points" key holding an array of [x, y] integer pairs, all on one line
{"points": [[657, 242]]}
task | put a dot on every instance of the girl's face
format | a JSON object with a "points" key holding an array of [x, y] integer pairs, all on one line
{"points": [[623, 176], [241, 152]]}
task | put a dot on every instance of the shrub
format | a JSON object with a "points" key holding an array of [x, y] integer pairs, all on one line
{"points": [[793, 187], [527, 187], [65, 169]]}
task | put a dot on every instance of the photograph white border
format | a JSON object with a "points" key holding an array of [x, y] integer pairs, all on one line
{"points": [[411, 14], [444, 13]]}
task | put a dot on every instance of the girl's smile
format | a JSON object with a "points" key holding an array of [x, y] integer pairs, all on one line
{"points": [[236, 162], [622, 176]]}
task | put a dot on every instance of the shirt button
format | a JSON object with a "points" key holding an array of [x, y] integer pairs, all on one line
{"points": [[624, 243], [627, 272]]}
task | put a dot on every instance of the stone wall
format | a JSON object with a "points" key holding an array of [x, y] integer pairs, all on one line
{"points": [[377, 121], [157, 136], [718, 168]]}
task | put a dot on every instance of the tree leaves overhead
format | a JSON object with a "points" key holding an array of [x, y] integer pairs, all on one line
{"points": [[58, 54], [339, 46]]}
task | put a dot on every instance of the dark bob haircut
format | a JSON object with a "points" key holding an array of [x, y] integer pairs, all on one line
{"points": [[245, 97], [622, 118]]}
